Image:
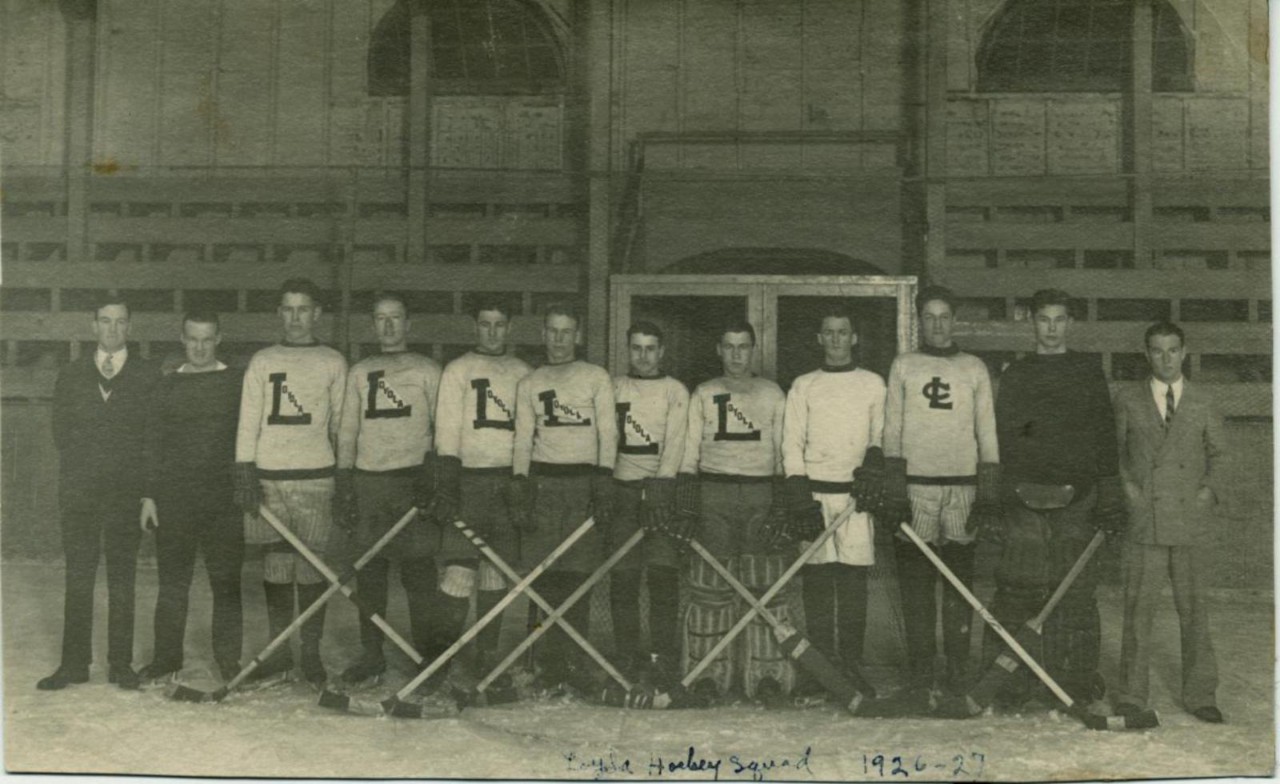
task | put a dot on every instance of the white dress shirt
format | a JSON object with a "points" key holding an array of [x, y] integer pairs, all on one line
{"points": [[1159, 390]]}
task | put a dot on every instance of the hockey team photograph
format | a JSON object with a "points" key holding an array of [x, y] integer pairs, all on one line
{"points": [[632, 390]]}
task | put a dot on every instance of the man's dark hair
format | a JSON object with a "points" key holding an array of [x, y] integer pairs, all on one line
{"points": [[935, 293], [1162, 328], [838, 312], [202, 317], [390, 296], [1048, 297], [645, 328], [561, 309], [491, 303], [739, 325], [107, 299], [300, 286]]}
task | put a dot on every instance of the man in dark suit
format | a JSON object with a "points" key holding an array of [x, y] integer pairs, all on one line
{"points": [[1171, 459], [100, 407]]}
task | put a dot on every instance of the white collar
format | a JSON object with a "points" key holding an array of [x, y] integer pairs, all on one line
{"points": [[183, 367], [1159, 386]]}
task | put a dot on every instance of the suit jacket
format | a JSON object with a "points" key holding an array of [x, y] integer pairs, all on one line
{"points": [[101, 443], [1164, 471]]}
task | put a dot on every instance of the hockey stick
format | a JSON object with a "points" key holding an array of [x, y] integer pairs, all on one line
{"points": [[850, 693], [555, 615], [1091, 721], [397, 704], [1028, 635], [769, 594], [188, 694]]}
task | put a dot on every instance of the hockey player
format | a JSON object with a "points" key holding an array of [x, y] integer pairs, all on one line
{"points": [[191, 442], [475, 432], [653, 416], [562, 473], [1060, 466], [940, 430], [834, 415], [289, 408], [385, 466], [731, 458]]}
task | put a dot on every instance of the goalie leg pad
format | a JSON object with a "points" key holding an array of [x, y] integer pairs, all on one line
{"points": [[762, 655], [1072, 640], [1025, 559], [708, 618]]}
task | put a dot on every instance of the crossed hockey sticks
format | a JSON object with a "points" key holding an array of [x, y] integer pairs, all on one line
{"points": [[336, 584], [397, 705], [1146, 720], [758, 605], [850, 692], [555, 615]]}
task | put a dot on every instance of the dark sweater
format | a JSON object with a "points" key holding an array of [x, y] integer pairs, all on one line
{"points": [[191, 440], [100, 442], [1055, 422]]}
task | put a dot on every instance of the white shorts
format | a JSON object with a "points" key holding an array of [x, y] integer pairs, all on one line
{"points": [[939, 512], [855, 543]]}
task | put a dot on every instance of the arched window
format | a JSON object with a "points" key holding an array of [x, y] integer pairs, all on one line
{"points": [[1079, 46], [478, 47]]}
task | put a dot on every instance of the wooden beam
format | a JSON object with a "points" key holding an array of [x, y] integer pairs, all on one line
{"points": [[157, 274], [1127, 284], [444, 328], [1116, 336]]}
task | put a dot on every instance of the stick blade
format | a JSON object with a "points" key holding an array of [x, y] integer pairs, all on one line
{"points": [[183, 693], [1145, 720]]}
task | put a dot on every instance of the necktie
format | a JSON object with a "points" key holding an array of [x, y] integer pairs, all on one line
{"points": [[109, 368], [1168, 405]]}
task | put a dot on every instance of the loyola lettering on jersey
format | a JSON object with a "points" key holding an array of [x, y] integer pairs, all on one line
{"points": [[735, 427], [476, 411], [652, 418], [290, 403], [558, 417], [387, 419]]}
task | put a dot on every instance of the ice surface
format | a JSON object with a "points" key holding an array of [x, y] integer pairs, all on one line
{"points": [[281, 732]]}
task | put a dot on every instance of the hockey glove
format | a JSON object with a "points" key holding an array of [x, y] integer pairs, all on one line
{"points": [[804, 514], [775, 531], [446, 501], [868, 481], [986, 516], [895, 505], [246, 489], [521, 495], [602, 495], [657, 503], [1109, 512], [345, 513], [683, 525]]}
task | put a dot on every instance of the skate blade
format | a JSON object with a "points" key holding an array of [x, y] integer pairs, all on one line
{"points": [[347, 685]]}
